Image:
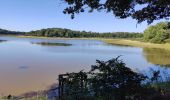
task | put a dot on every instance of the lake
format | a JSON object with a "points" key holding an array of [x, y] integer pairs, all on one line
{"points": [[32, 64]]}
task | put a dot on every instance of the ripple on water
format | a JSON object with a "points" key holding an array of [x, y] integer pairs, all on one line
{"points": [[23, 67]]}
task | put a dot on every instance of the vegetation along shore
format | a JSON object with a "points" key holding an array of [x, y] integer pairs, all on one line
{"points": [[156, 36]]}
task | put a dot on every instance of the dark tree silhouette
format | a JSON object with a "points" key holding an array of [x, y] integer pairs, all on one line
{"points": [[109, 80], [9, 97], [150, 9], [8, 32]]}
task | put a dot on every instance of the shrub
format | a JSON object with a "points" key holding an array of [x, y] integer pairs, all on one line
{"points": [[109, 80], [158, 33]]}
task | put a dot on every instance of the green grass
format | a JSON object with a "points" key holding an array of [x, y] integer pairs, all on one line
{"points": [[136, 43]]}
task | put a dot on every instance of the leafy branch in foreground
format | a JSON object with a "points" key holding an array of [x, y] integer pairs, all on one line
{"points": [[109, 80], [141, 10]]}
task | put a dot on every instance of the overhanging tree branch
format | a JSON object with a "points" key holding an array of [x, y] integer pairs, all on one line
{"points": [[154, 9]]}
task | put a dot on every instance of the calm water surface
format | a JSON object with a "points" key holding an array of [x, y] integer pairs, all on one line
{"points": [[30, 64]]}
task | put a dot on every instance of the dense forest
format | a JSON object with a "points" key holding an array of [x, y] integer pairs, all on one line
{"points": [[57, 32], [158, 33], [67, 33]]}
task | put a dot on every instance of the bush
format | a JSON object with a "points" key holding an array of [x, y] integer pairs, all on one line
{"points": [[150, 33], [158, 33], [110, 80]]}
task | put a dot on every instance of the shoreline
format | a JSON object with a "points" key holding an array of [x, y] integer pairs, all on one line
{"points": [[111, 41], [116, 41], [135, 43]]}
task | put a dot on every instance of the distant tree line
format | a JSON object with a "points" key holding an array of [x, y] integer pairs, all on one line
{"points": [[7, 32], [159, 33], [67, 33]]}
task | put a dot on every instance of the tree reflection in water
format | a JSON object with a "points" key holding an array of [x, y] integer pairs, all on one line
{"points": [[157, 56], [2, 41]]}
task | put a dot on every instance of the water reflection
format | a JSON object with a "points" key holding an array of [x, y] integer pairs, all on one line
{"points": [[32, 64], [3, 41], [51, 44], [157, 56], [23, 67]]}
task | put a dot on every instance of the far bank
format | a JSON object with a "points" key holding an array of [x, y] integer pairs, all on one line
{"points": [[130, 42], [113, 41]]}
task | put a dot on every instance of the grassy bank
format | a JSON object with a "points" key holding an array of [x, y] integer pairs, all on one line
{"points": [[125, 42], [128, 42]]}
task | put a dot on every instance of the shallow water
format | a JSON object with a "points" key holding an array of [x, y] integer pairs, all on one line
{"points": [[32, 64]]}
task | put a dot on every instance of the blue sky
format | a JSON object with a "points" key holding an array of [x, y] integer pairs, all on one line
{"points": [[27, 15]]}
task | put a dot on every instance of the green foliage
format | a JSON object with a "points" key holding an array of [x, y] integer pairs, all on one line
{"points": [[7, 32], [149, 33], [112, 80], [66, 33], [109, 80], [76, 87], [158, 33], [149, 10]]}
